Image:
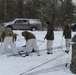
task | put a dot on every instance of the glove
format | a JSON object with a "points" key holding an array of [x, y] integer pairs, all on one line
{"points": [[67, 52], [44, 38]]}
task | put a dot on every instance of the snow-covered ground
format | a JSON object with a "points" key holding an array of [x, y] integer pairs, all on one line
{"points": [[53, 64]]}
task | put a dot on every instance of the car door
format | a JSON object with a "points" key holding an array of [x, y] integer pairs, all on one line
{"points": [[26, 24], [17, 24]]}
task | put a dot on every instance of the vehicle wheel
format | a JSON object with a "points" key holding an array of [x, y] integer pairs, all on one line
{"points": [[33, 29], [10, 27]]}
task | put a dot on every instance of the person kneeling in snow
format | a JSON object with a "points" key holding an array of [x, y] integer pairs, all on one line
{"points": [[9, 38], [30, 43]]}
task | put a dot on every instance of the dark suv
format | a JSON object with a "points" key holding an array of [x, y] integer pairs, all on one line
{"points": [[73, 26], [23, 23]]}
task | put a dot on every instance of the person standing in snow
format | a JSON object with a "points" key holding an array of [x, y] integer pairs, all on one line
{"points": [[9, 39], [67, 35], [30, 43], [49, 37]]}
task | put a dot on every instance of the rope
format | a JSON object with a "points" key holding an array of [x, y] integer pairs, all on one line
{"points": [[44, 63], [23, 53], [41, 40], [61, 42], [41, 43], [50, 69], [58, 47], [54, 51]]}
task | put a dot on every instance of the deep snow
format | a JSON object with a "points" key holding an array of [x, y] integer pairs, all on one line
{"points": [[37, 65]]}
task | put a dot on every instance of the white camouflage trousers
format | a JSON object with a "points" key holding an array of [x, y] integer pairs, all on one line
{"points": [[8, 41], [67, 42], [49, 46], [30, 45]]}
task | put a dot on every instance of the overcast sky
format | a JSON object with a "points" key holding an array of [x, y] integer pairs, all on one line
{"points": [[74, 2]]}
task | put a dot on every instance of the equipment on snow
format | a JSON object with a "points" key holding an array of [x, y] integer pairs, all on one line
{"points": [[20, 54]]}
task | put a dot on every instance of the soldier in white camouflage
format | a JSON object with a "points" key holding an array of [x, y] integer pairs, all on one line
{"points": [[67, 35], [9, 39], [49, 37], [31, 43]]}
